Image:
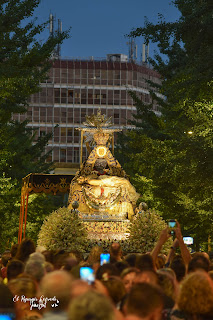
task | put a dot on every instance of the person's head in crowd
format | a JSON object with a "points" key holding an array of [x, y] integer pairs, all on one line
{"points": [[115, 252], [59, 259], [79, 287], [26, 247], [106, 270], [115, 288], [69, 263], [168, 286], [128, 276], [148, 276], [24, 288], [14, 268], [58, 284], [40, 249], [49, 267], [35, 268], [121, 265], [205, 255], [77, 255], [144, 301], [199, 262], [131, 259], [178, 266], [91, 305], [196, 294], [37, 256], [4, 260], [75, 272], [13, 250], [48, 255], [7, 254], [7, 304], [169, 271], [160, 261], [144, 262], [94, 255]]}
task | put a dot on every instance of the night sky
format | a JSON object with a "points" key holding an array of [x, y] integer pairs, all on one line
{"points": [[99, 27]]}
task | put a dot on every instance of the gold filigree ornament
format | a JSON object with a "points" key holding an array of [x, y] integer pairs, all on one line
{"points": [[98, 121]]}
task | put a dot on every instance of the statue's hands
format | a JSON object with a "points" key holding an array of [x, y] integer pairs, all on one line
{"points": [[95, 172], [81, 180]]}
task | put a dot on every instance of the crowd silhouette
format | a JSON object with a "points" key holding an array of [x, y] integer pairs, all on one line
{"points": [[57, 285]]}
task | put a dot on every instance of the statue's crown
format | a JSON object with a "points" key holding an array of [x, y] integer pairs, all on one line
{"points": [[98, 121]]}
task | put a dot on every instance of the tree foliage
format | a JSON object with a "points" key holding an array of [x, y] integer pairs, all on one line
{"points": [[8, 203], [24, 62], [174, 150]]}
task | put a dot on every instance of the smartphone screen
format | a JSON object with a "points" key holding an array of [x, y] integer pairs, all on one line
{"points": [[172, 223], [188, 240], [7, 316], [104, 258], [87, 274]]}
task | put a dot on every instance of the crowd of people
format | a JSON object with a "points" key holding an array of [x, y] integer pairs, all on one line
{"points": [[41, 284]]}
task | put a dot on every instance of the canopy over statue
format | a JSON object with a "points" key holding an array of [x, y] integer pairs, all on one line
{"points": [[101, 186]]}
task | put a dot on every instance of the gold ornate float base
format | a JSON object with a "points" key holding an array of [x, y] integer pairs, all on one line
{"points": [[107, 229]]}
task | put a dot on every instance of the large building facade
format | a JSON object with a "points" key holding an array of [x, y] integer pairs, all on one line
{"points": [[76, 88]]}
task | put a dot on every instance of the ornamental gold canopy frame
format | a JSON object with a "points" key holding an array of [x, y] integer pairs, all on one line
{"points": [[37, 183]]}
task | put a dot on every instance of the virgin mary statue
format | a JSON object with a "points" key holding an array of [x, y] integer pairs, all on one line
{"points": [[101, 186]]}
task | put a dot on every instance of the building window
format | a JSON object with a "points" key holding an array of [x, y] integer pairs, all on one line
{"points": [[63, 132], [69, 135], [62, 155], [57, 95], [76, 155], [69, 132], [42, 133], [116, 118]]}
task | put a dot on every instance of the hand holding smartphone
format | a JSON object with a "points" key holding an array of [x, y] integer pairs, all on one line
{"points": [[172, 225]]}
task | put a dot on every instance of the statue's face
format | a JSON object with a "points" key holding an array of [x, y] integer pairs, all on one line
{"points": [[100, 164]]}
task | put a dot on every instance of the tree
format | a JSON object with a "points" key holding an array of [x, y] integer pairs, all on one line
{"points": [[21, 152], [175, 150], [8, 193], [24, 62]]}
